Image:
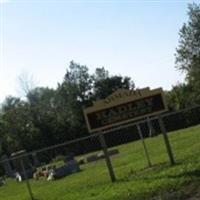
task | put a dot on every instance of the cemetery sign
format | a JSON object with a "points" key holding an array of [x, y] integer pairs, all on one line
{"points": [[124, 106]]}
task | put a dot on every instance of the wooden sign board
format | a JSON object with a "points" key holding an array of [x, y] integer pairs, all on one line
{"points": [[124, 106]]}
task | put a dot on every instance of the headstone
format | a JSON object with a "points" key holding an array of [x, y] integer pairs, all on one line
{"points": [[92, 158], [71, 163], [81, 161], [113, 152], [101, 155], [73, 166], [69, 157]]}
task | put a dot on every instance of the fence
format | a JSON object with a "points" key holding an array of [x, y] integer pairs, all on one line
{"points": [[84, 159]]}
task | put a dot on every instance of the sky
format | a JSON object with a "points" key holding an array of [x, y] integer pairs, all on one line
{"points": [[129, 38]]}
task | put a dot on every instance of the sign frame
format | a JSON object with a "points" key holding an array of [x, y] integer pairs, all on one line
{"points": [[122, 97]]}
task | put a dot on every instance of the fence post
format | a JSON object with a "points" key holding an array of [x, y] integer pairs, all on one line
{"points": [[144, 145], [26, 179], [107, 158], [166, 139], [150, 127]]}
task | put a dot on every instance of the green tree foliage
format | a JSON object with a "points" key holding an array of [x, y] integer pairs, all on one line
{"points": [[177, 98], [188, 51], [104, 84], [51, 116], [42, 104], [17, 128], [74, 93]]}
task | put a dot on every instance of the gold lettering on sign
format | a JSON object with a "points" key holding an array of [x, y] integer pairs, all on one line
{"points": [[101, 115], [122, 94], [121, 112]]}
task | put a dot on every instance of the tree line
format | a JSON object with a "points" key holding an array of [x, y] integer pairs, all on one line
{"points": [[50, 116]]}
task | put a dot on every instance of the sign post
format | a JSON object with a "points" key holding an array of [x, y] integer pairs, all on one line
{"points": [[144, 145], [150, 127], [107, 158], [166, 139], [122, 107]]}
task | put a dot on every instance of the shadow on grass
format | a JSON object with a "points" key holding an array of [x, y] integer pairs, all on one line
{"points": [[195, 173], [192, 173], [138, 173]]}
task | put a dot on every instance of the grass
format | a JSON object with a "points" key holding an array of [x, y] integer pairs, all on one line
{"points": [[134, 179]]}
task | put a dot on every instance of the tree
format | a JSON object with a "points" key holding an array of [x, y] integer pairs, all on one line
{"points": [[105, 86], [78, 81], [100, 74], [177, 98], [74, 94], [188, 51], [26, 83], [52, 116], [17, 129], [43, 109]]}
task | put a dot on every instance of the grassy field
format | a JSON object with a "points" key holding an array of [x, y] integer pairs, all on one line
{"points": [[135, 180]]}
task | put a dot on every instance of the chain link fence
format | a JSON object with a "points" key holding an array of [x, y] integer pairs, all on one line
{"points": [[69, 167]]}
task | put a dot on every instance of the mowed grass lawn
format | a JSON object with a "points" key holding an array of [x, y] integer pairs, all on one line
{"points": [[134, 179]]}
